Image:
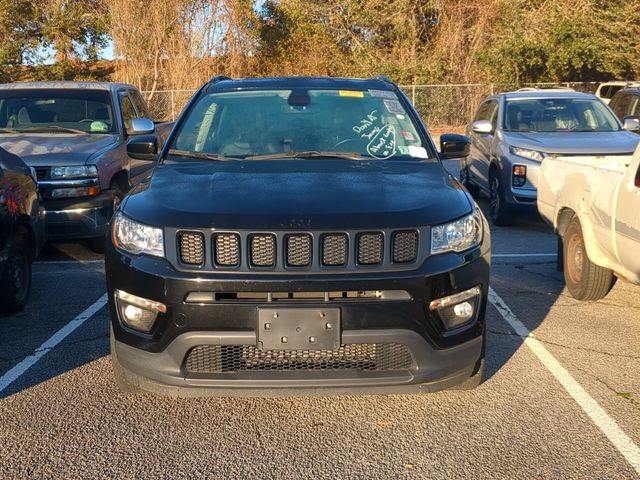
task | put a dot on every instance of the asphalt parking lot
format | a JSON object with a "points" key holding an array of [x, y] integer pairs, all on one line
{"points": [[560, 397]]}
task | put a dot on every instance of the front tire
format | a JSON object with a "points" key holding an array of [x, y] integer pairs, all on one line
{"points": [[501, 214], [15, 283], [585, 280]]}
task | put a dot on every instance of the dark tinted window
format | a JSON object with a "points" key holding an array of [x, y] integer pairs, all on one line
{"points": [[621, 104], [487, 111], [635, 106], [89, 111], [128, 112]]}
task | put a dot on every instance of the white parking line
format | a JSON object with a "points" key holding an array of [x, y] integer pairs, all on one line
{"points": [[67, 262], [629, 450], [16, 372]]}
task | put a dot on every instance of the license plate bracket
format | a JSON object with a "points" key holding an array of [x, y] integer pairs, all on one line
{"points": [[298, 328]]}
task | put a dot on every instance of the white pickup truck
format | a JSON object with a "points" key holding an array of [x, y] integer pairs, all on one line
{"points": [[593, 204]]}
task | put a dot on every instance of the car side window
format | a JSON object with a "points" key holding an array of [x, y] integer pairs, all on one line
{"points": [[493, 113], [139, 103], [635, 106], [483, 112], [127, 110], [621, 105]]}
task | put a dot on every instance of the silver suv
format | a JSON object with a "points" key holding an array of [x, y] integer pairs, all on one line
{"points": [[513, 132]]}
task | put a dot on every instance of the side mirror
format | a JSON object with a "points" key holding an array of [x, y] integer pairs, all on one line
{"points": [[454, 146], [631, 123], [143, 148], [482, 126], [141, 126]]}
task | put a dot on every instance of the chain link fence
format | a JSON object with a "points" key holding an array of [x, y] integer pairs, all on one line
{"points": [[442, 107]]}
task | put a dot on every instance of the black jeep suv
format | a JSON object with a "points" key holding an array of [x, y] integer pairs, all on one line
{"points": [[21, 230], [298, 235]]}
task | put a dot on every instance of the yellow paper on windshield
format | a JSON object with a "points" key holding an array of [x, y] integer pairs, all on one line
{"points": [[351, 93]]}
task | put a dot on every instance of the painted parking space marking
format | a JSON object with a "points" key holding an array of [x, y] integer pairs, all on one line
{"points": [[516, 255], [629, 450], [19, 369]]}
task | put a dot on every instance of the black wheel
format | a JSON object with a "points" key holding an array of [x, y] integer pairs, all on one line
{"points": [[119, 374], [501, 214], [97, 244], [585, 280], [464, 180], [15, 283]]}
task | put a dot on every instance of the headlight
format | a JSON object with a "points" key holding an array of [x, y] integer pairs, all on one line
{"points": [[530, 154], [80, 171], [136, 238], [457, 236]]}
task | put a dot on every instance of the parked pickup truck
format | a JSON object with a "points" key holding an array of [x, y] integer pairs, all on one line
{"points": [[594, 205], [74, 134]]}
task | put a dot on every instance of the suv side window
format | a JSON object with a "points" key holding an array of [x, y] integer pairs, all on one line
{"points": [[127, 110], [488, 111], [621, 105], [635, 106], [139, 103]]}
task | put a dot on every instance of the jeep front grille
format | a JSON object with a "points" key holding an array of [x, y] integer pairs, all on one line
{"points": [[191, 248], [356, 357], [263, 250], [226, 249], [293, 251]]}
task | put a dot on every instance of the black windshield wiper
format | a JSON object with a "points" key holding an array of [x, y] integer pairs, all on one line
{"points": [[51, 128], [8, 130], [200, 155], [309, 154]]}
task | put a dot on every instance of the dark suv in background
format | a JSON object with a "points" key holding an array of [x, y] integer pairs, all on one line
{"points": [[626, 104], [21, 230], [298, 234]]}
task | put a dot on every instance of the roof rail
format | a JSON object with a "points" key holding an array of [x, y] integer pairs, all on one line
{"points": [[383, 78], [219, 78], [537, 89]]}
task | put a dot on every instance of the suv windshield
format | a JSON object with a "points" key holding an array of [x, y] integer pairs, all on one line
{"points": [[558, 115], [56, 111], [299, 123]]}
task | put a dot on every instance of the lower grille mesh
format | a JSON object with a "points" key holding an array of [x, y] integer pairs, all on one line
{"points": [[238, 358]]}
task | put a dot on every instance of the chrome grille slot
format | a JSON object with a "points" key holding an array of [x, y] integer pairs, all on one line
{"points": [[298, 250], [370, 248], [405, 246], [263, 250], [226, 248], [191, 248], [334, 249], [370, 357]]}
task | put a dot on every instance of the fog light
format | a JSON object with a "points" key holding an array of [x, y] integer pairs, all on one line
{"points": [[458, 309], [136, 312], [519, 175]]}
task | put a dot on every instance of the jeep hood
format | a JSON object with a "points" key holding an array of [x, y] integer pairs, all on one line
{"points": [[290, 194], [46, 149], [576, 143]]}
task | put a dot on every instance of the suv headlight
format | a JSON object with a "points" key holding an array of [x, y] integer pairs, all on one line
{"points": [[457, 236], [137, 238], [526, 153], [80, 171]]}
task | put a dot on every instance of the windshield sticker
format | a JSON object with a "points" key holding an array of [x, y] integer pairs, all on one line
{"points": [[383, 144], [383, 94], [351, 93], [408, 135], [418, 152], [402, 150], [394, 106], [366, 128]]}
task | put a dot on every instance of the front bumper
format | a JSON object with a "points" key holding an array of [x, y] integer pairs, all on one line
{"points": [[157, 361], [78, 217]]}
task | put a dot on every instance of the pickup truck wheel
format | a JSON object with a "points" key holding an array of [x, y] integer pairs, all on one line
{"points": [[501, 214], [15, 283], [585, 280], [464, 180]]}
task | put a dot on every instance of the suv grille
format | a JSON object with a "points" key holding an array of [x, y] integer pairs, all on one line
{"points": [[334, 249], [405, 246], [299, 250], [263, 250], [238, 358], [388, 249], [370, 248], [227, 250], [191, 248], [41, 173]]}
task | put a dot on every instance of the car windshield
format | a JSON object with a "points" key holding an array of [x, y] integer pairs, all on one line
{"points": [[56, 111], [558, 115], [299, 123]]}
